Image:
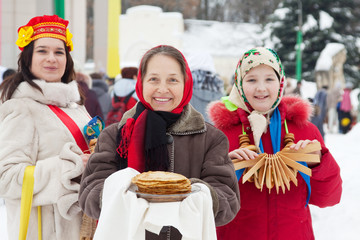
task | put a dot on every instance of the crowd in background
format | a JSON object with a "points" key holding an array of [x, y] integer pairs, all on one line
{"points": [[334, 111]]}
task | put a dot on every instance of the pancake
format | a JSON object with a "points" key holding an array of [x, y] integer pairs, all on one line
{"points": [[163, 183]]}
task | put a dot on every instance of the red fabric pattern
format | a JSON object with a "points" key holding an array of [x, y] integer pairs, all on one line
{"points": [[136, 153], [126, 133], [73, 128]]}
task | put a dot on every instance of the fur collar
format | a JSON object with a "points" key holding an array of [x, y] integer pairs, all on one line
{"points": [[292, 108], [189, 122], [54, 93]]}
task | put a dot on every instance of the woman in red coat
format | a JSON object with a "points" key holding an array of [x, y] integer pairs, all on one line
{"points": [[255, 106]]}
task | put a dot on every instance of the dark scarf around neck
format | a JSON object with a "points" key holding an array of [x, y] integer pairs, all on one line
{"points": [[155, 139]]}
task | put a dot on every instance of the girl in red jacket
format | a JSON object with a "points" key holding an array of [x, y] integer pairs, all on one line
{"points": [[256, 107]]}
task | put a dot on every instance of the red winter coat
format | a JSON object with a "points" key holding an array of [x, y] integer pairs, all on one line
{"points": [[273, 216]]}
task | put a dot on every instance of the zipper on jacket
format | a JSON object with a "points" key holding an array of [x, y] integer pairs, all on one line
{"points": [[168, 237], [188, 133], [172, 160], [171, 154]]}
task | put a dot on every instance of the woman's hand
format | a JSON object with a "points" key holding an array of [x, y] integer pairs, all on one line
{"points": [[85, 158], [242, 154], [302, 144]]}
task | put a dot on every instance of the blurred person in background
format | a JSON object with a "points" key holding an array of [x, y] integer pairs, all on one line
{"points": [[297, 90], [123, 95], [320, 109], [8, 73], [207, 84], [101, 88], [91, 101], [289, 89], [344, 110], [333, 98], [125, 83]]}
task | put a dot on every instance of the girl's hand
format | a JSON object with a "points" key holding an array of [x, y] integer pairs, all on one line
{"points": [[242, 154], [302, 144], [85, 158]]}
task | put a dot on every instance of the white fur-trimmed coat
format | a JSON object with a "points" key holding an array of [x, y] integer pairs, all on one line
{"points": [[31, 134]]}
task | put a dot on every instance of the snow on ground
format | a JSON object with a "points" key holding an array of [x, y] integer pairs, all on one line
{"points": [[343, 220]]}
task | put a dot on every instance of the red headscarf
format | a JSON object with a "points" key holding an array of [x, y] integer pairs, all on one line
{"points": [[143, 137], [187, 89]]}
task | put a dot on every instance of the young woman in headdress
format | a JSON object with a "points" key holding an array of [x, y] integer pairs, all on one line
{"points": [[32, 133]]}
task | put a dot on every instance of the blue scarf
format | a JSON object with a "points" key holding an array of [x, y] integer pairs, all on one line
{"points": [[275, 133]]}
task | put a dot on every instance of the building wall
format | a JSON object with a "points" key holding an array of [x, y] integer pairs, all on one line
{"points": [[75, 13], [14, 13], [44, 7], [144, 27], [100, 35]]}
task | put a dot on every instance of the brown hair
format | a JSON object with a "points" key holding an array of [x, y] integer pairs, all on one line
{"points": [[164, 50], [24, 74], [96, 75], [129, 72]]}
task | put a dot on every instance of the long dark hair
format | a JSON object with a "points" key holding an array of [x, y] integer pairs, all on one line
{"points": [[9, 85]]}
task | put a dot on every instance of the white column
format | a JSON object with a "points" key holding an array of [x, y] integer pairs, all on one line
{"points": [[75, 13], [100, 34], [14, 13]]}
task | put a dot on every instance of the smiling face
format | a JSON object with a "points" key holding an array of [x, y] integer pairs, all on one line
{"points": [[261, 87], [48, 59], [163, 83]]}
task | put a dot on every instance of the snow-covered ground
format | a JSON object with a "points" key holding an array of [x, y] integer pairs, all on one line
{"points": [[341, 222]]}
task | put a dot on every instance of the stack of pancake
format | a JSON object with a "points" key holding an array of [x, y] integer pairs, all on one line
{"points": [[162, 183]]}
